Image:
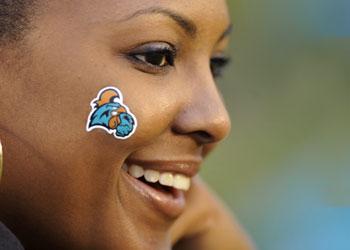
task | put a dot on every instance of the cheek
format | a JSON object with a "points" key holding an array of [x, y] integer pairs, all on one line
{"points": [[155, 114], [57, 104], [54, 124]]}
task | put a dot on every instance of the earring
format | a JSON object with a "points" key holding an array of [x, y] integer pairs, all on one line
{"points": [[0, 159]]}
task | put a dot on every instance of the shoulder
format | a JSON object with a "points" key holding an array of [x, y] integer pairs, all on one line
{"points": [[8, 240]]}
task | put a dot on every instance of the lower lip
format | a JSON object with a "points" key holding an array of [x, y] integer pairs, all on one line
{"points": [[171, 204]]}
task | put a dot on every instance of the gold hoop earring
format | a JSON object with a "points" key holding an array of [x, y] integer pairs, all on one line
{"points": [[0, 160]]}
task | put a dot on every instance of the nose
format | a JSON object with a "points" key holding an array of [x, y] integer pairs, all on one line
{"points": [[203, 116]]}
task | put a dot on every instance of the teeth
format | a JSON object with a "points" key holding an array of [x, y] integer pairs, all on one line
{"points": [[181, 182], [166, 179], [177, 181], [136, 171], [151, 175]]}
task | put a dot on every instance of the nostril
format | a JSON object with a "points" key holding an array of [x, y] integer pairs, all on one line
{"points": [[203, 137]]}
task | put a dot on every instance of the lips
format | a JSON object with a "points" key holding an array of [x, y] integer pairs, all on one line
{"points": [[161, 184]]}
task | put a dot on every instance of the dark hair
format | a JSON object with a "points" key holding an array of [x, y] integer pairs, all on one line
{"points": [[14, 19]]}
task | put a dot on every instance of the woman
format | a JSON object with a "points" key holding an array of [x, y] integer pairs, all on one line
{"points": [[79, 177]]}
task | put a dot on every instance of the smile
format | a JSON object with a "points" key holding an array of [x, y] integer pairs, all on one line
{"points": [[157, 179], [161, 184]]}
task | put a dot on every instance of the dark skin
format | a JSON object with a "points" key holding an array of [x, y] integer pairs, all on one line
{"points": [[62, 187]]}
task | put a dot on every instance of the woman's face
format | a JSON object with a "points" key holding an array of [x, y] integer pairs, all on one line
{"points": [[65, 184]]}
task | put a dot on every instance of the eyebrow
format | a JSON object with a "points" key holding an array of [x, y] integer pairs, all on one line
{"points": [[227, 32], [187, 25]]}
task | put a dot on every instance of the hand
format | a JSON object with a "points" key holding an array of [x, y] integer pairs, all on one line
{"points": [[207, 224]]}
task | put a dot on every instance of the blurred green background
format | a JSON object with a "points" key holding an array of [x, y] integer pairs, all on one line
{"points": [[285, 169]]}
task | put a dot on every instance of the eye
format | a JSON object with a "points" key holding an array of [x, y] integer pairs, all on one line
{"points": [[114, 113], [217, 65], [154, 56]]}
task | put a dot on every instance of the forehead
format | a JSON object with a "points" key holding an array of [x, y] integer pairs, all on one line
{"points": [[205, 14]]}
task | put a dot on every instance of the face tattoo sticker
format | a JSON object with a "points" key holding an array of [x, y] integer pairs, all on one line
{"points": [[108, 112]]}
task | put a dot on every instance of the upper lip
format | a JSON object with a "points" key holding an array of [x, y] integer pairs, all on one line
{"points": [[186, 167]]}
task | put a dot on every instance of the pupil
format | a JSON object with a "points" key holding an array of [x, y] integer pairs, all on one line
{"points": [[155, 59]]}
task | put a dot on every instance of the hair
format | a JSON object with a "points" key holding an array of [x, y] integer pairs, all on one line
{"points": [[14, 19]]}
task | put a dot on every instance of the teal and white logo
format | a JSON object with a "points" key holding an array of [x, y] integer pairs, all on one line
{"points": [[108, 112]]}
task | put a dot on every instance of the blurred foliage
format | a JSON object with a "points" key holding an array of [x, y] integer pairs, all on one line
{"points": [[284, 170]]}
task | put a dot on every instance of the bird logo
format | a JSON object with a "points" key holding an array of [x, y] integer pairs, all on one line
{"points": [[108, 112]]}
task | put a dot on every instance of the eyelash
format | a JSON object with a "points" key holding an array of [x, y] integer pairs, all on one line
{"points": [[158, 57], [218, 64], [154, 58]]}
